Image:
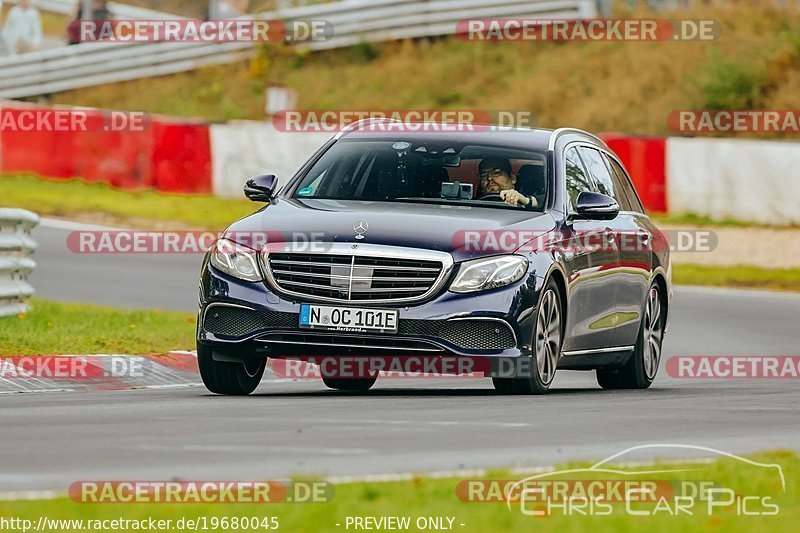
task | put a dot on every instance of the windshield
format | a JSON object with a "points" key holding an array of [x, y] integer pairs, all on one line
{"points": [[428, 172]]}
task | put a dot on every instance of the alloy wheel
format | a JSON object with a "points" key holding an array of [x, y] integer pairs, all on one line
{"points": [[548, 337], [653, 333]]}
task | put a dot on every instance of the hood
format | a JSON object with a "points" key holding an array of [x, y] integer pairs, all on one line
{"points": [[428, 226]]}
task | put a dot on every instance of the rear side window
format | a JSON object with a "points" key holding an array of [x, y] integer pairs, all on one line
{"points": [[625, 203], [576, 179], [624, 183], [601, 174]]}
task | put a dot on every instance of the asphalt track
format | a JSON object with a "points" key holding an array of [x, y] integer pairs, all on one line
{"points": [[51, 440]]}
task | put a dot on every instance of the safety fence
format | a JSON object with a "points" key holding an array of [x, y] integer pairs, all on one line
{"points": [[352, 22], [16, 247]]}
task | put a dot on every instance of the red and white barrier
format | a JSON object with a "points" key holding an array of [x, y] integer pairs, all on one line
{"points": [[161, 153], [644, 158], [746, 180]]}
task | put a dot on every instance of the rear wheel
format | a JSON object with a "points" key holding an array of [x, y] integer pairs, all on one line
{"points": [[229, 378], [641, 369], [350, 384], [546, 347]]}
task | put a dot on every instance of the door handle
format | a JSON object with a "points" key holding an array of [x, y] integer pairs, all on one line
{"points": [[610, 235]]}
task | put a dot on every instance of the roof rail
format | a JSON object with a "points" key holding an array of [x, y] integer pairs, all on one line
{"points": [[556, 133], [355, 126]]}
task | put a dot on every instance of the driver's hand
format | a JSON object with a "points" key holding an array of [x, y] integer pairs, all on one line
{"points": [[515, 198]]}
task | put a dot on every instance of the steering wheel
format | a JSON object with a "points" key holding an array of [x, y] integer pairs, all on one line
{"points": [[492, 197]]}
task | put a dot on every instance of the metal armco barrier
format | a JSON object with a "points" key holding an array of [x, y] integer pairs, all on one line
{"points": [[353, 21], [16, 246]]}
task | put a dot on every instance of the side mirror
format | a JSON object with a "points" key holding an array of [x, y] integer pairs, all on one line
{"points": [[596, 206], [261, 188]]}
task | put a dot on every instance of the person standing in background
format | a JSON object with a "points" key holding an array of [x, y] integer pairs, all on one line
{"points": [[100, 13], [22, 31]]}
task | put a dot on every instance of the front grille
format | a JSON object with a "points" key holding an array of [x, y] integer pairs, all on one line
{"points": [[353, 278], [477, 334]]}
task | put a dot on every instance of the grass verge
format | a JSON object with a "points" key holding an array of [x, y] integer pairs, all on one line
{"points": [[787, 279], [53, 328], [427, 497], [101, 203], [689, 219]]}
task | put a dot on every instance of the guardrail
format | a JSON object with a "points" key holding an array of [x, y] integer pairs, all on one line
{"points": [[16, 245], [353, 21]]}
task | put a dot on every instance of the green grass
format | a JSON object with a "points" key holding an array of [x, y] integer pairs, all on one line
{"points": [[750, 277], [423, 497], [52, 328], [690, 219], [98, 202]]}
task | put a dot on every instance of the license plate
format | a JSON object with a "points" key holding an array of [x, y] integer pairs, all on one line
{"points": [[348, 318]]}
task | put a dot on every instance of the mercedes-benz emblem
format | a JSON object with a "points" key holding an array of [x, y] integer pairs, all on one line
{"points": [[360, 228]]}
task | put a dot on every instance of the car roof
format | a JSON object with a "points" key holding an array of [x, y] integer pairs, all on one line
{"points": [[518, 138]]}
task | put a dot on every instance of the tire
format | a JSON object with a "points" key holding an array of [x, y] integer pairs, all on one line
{"points": [[232, 379], [641, 369], [504, 385], [350, 384], [546, 346]]}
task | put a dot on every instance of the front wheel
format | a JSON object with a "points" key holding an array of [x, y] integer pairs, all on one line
{"points": [[641, 369], [232, 379], [546, 348]]}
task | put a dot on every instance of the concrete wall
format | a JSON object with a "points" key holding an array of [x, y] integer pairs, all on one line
{"points": [[753, 181], [241, 150]]}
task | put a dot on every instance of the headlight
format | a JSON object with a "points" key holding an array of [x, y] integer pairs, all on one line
{"points": [[235, 259], [484, 274]]}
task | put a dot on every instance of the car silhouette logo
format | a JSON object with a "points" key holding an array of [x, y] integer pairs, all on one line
{"points": [[360, 228]]}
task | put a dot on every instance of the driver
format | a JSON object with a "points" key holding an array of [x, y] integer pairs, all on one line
{"points": [[495, 177]]}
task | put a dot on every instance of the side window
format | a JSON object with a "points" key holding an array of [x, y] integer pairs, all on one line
{"points": [[624, 200], [625, 184], [576, 179], [600, 172]]}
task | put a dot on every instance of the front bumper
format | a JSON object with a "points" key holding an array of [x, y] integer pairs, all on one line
{"points": [[250, 318]]}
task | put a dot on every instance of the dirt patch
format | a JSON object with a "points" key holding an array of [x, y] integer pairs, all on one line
{"points": [[761, 247]]}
